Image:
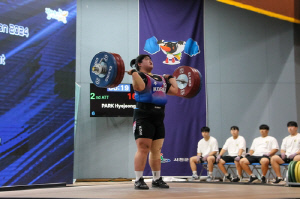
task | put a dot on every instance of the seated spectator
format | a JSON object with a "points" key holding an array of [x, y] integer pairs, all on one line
{"points": [[236, 147], [206, 152], [290, 150], [261, 150]]}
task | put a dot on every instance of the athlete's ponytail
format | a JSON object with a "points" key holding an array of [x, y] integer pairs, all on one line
{"points": [[132, 63], [139, 59]]}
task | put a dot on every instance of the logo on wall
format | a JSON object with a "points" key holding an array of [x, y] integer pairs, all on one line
{"points": [[172, 49], [59, 15], [164, 160]]}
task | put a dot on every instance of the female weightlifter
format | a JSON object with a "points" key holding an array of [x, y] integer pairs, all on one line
{"points": [[148, 118]]}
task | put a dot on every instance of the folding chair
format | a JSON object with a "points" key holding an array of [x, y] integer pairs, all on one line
{"points": [[204, 166], [257, 167], [216, 168], [285, 168], [230, 166]]}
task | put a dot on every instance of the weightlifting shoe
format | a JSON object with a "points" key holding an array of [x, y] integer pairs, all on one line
{"points": [[263, 180], [159, 183], [140, 184]]}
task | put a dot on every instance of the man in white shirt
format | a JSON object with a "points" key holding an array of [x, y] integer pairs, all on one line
{"points": [[290, 150], [236, 147], [206, 152], [261, 150]]}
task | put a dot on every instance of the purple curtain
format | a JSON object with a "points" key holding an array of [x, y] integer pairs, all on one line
{"points": [[181, 24]]}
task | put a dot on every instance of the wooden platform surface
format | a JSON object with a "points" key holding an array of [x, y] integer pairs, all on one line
{"points": [[177, 190]]}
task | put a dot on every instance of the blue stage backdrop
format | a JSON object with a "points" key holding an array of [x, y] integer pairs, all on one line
{"points": [[37, 71], [180, 23]]}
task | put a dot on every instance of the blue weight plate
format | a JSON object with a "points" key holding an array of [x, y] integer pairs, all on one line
{"points": [[109, 62]]}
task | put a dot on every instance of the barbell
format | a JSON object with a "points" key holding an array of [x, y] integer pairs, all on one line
{"points": [[107, 71]]}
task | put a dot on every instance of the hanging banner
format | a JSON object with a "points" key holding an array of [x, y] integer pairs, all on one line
{"points": [[171, 32]]}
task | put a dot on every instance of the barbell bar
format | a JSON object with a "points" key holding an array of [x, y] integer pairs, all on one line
{"points": [[107, 71]]}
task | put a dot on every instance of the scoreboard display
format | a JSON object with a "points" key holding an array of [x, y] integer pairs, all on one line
{"points": [[112, 102]]}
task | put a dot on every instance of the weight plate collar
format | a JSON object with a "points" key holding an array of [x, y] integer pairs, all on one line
{"points": [[108, 76]]}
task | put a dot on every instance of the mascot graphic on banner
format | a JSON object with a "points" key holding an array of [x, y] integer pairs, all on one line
{"points": [[172, 49]]}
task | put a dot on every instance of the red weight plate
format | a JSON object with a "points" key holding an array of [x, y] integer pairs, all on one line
{"points": [[187, 74], [192, 91], [196, 86], [200, 84], [197, 83], [120, 72]]}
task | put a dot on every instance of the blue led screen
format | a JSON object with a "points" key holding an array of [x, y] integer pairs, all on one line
{"points": [[37, 91]]}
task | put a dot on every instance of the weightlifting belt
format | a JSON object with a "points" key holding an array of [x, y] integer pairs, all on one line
{"points": [[149, 106]]}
